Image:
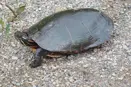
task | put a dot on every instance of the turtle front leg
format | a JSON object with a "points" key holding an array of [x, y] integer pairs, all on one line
{"points": [[38, 58]]}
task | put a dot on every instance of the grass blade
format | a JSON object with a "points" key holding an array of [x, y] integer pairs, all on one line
{"points": [[7, 29], [2, 24], [20, 9]]}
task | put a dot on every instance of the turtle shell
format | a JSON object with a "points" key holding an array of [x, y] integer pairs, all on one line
{"points": [[72, 30]]}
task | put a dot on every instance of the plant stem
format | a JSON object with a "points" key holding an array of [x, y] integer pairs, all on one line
{"points": [[15, 15]]}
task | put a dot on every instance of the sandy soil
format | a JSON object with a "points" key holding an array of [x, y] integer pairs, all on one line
{"points": [[109, 66]]}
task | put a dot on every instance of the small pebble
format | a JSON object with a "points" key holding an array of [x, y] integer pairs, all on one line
{"points": [[0, 6], [130, 58], [0, 34], [14, 57], [12, 43], [39, 9]]}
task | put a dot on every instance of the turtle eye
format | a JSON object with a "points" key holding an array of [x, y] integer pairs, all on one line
{"points": [[25, 36]]}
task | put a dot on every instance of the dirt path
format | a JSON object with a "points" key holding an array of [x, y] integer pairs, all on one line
{"points": [[109, 66]]}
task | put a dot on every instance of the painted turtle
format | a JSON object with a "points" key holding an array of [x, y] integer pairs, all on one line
{"points": [[65, 33]]}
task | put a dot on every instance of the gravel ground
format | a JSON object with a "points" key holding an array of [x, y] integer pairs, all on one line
{"points": [[109, 66]]}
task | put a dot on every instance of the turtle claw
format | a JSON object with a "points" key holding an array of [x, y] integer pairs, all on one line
{"points": [[36, 62]]}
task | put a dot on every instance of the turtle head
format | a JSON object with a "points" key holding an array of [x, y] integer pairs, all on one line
{"points": [[22, 37]]}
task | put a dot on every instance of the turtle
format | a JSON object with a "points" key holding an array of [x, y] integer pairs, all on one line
{"points": [[66, 33]]}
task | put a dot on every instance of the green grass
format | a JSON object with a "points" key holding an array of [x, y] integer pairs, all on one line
{"points": [[5, 26]]}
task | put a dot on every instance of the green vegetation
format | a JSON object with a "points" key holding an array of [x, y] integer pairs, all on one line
{"points": [[5, 26]]}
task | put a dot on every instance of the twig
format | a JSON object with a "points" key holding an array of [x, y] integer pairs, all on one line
{"points": [[11, 10]]}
